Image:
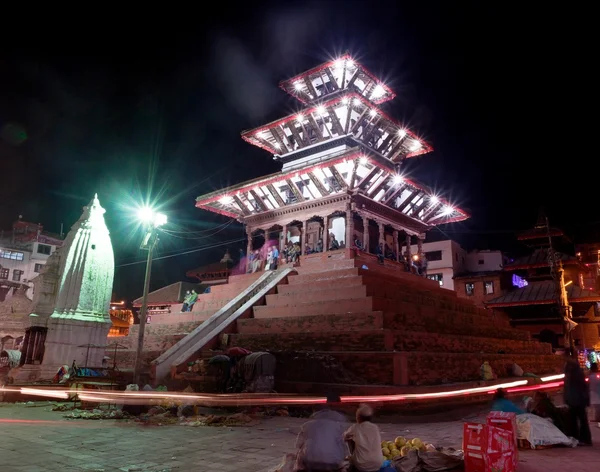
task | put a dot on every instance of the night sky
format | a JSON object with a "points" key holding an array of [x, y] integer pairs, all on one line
{"points": [[152, 109]]}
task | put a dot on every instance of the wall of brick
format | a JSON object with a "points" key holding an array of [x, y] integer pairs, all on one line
{"points": [[317, 323]]}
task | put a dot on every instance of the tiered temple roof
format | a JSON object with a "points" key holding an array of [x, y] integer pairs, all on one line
{"points": [[340, 145]]}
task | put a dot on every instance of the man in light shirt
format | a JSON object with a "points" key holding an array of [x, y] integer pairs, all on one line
{"points": [[365, 442]]}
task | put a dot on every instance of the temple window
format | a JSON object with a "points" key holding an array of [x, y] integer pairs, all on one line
{"points": [[470, 288], [14, 255], [38, 268], [17, 275], [4, 274], [488, 287]]}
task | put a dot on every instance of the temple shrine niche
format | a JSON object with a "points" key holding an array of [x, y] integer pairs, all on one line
{"points": [[341, 174]]}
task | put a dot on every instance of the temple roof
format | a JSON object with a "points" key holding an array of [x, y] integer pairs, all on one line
{"points": [[350, 117], [538, 259], [349, 171], [540, 232], [542, 293], [343, 74]]}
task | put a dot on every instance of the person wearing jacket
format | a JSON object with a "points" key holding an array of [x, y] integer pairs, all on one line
{"points": [[577, 398]]}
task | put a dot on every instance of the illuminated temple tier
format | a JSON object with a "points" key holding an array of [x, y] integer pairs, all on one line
{"points": [[340, 157]]}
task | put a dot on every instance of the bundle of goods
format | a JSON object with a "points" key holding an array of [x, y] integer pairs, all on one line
{"points": [[534, 432], [491, 446]]}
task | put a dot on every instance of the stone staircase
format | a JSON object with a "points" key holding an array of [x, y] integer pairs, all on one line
{"points": [[165, 330], [337, 323]]}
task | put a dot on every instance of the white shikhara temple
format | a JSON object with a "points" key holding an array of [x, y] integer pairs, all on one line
{"points": [[340, 158]]}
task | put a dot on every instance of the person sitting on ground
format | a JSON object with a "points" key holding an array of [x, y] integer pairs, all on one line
{"points": [[320, 443], [501, 403], [543, 407], [307, 249], [364, 440]]}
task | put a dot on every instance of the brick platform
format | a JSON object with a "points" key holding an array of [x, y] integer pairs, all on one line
{"points": [[337, 323]]}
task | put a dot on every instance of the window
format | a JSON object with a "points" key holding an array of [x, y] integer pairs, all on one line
{"points": [[433, 256], [17, 275], [469, 288], [480, 262], [38, 268], [13, 255], [437, 277], [44, 249], [4, 274], [488, 287]]}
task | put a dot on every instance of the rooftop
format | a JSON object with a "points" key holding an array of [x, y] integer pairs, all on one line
{"points": [[542, 293], [538, 259]]}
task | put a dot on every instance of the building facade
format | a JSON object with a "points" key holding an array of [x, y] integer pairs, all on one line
{"points": [[532, 301], [23, 253]]}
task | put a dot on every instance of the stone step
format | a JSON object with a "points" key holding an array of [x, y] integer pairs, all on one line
{"points": [[318, 294], [383, 340], [410, 319], [343, 275], [311, 324], [176, 318], [452, 324], [358, 305], [405, 368]]}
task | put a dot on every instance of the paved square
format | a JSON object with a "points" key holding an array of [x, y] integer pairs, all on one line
{"points": [[34, 438]]}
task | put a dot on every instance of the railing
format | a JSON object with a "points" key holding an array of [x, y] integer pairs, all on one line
{"points": [[212, 327]]}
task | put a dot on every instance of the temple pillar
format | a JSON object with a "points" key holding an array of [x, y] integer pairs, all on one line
{"points": [[29, 346], [325, 235], [365, 233], [382, 237], [396, 245], [349, 229], [249, 246], [285, 236], [303, 236], [408, 254], [420, 246]]}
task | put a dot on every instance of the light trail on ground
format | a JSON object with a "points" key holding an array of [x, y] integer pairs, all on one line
{"points": [[212, 400]]}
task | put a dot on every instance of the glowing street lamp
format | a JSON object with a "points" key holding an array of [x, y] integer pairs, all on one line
{"points": [[152, 220]]}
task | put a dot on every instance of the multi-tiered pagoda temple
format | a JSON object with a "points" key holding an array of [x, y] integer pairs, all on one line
{"points": [[341, 157]]}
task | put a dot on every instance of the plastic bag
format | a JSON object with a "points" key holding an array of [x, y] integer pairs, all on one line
{"points": [[541, 432]]}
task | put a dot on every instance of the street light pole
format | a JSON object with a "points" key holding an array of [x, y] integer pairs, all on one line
{"points": [[144, 310]]}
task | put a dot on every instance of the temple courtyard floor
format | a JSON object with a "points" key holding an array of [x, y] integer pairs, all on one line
{"points": [[34, 438]]}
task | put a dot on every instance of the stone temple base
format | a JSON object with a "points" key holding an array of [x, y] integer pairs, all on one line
{"points": [[71, 340]]}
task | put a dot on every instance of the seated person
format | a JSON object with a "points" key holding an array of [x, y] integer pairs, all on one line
{"points": [[542, 406], [320, 442], [501, 403], [319, 247], [379, 254], [358, 244], [333, 243], [307, 249], [365, 442]]}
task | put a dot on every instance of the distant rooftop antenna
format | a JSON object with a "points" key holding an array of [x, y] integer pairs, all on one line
{"points": [[61, 230]]}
